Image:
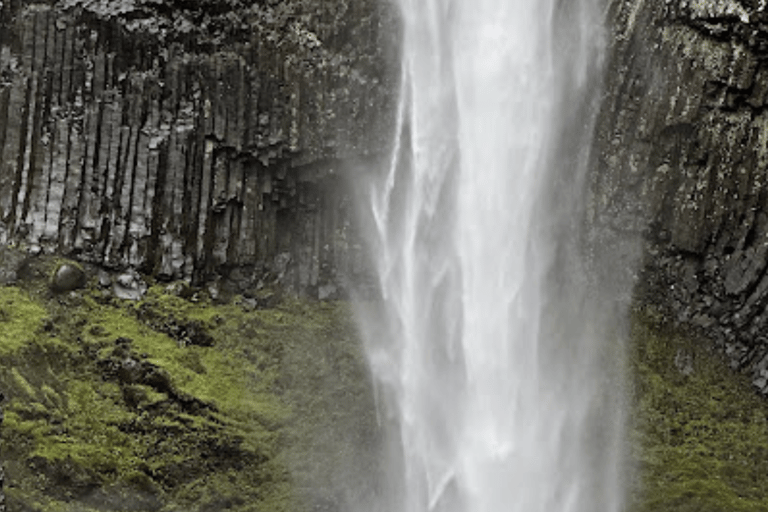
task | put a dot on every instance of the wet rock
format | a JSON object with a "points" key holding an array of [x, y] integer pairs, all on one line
{"points": [[190, 138], [703, 321], [760, 375], [249, 303], [67, 277], [105, 279], [282, 265], [121, 364], [180, 289], [11, 261], [129, 285], [681, 150], [214, 291]]}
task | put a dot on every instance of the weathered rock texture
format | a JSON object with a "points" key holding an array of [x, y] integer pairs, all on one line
{"points": [[683, 163], [188, 138]]}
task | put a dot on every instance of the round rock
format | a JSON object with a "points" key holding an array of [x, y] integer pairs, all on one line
{"points": [[67, 277]]}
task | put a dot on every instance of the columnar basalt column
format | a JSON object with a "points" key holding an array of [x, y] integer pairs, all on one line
{"points": [[187, 139], [682, 163]]}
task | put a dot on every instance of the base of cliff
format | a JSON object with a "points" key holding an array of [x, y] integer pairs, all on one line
{"points": [[177, 403], [699, 431]]}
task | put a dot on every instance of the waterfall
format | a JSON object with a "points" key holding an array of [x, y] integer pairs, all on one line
{"points": [[495, 367]]}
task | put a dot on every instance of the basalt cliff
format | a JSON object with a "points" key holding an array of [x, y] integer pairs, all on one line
{"points": [[194, 140], [210, 142], [681, 162]]}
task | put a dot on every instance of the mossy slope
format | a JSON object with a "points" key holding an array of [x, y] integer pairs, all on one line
{"points": [[179, 405], [174, 404], [700, 441]]}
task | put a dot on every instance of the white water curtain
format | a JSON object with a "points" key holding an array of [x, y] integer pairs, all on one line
{"points": [[492, 360]]}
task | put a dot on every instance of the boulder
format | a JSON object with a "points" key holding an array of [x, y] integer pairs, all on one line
{"points": [[68, 276]]}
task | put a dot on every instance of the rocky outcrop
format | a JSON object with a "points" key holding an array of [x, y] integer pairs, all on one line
{"points": [[190, 138], [682, 164]]}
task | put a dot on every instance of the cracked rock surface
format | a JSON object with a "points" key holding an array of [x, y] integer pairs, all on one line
{"points": [[189, 138], [682, 165]]}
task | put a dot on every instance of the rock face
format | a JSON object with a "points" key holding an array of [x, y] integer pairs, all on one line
{"points": [[190, 138], [682, 164], [208, 141]]}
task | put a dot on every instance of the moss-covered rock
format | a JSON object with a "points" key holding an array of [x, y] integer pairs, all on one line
{"points": [[700, 433], [68, 276], [171, 403]]}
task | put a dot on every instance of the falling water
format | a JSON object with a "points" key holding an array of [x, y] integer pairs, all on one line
{"points": [[493, 364]]}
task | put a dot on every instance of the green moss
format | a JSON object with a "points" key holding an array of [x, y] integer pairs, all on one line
{"points": [[276, 413], [701, 433], [21, 319], [110, 403], [22, 384]]}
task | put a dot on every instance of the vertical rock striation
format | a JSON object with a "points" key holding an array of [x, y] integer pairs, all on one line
{"points": [[191, 139], [682, 162]]}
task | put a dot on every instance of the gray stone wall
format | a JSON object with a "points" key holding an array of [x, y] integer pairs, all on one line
{"points": [[190, 138], [682, 165]]}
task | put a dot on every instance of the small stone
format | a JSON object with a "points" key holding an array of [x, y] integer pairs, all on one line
{"points": [[129, 286], [180, 289], [249, 303], [68, 277], [214, 291], [105, 280]]}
